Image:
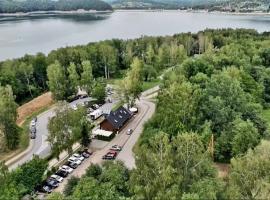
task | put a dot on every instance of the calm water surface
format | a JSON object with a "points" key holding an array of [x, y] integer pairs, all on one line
{"points": [[21, 35]]}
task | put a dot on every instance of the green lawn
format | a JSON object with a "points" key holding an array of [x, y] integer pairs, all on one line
{"points": [[150, 84], [266, 116]]}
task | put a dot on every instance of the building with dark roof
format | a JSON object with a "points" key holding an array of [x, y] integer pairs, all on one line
{"points": [[116, 120]]}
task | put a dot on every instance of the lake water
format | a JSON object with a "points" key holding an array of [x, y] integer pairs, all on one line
{"points": [[21, 35]]}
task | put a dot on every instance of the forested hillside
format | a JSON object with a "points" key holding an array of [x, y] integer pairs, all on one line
{"points": [[13, 6], [212, 5], [209, 109]]}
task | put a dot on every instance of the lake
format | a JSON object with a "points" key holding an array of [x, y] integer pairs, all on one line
{"points": [[32, 34]]}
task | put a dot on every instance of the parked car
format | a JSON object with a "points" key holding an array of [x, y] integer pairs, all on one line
{"points": [[78, 156], [62, 173], [33, 123], [75, 160], [66, 168], [73, 165], [116, 148], [33, 129], [32, 135], [46, 189], [58, 178], [85, 153], [52, 183], [110, 155], [34, 119], [129, 131]]}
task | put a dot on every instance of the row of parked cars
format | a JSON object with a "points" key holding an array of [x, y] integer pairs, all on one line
{"points": [[72, 163], [112, 154], [33, 128]]}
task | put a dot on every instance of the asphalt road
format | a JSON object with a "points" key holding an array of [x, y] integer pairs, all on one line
{"points": [[40, 146], [146, 111]]}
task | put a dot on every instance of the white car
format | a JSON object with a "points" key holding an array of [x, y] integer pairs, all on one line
{"points": [[78, 156], [75, 160], [33, 123], [59, 179], [66, 168], [116, 148]]}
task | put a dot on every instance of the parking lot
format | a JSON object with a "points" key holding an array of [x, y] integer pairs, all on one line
{"points": [[146, 110]]}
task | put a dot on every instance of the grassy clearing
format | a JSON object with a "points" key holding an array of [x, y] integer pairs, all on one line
{"points": [[150, 84], [266, 116]]}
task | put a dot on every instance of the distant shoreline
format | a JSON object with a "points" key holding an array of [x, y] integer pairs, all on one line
{"points": [[73, 12], [77, 12], [196, 11]]}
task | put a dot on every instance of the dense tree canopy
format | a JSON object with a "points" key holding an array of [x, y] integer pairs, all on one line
{"points": [[13, 6], [9, 132]]}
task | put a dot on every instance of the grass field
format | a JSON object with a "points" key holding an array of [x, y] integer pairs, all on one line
{"points": [[150, 84], [266, 116]]}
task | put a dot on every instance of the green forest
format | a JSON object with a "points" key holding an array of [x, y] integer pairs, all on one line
{"points": [[13, 6], [218, 87]]}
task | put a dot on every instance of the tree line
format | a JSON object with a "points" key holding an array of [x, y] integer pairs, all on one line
{"points": [[14, 6]]}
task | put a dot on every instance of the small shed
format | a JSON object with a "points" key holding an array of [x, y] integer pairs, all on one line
{"points": [[116, 120]]}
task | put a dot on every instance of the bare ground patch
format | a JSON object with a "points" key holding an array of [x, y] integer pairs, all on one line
{"points": [[223, 169], [33, 106]]}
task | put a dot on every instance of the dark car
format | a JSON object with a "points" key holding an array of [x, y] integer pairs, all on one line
{"points": [[85, 153], [33, 135], [52, 183], [73, 165], [83, 96], [62, 173], [33, 129]]}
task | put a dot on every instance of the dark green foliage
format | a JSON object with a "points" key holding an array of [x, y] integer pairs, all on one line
{"points": [[29, 175], [13, 6], [108, 182], [94, 171], [99, 92], [167, 168], [8, 127], [265, 55], [71, 185], [85, 134], [218, 88], [27, 75]]}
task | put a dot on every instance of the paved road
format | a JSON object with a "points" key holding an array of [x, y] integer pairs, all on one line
{"points": [[40, 146], [146, 111]]}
